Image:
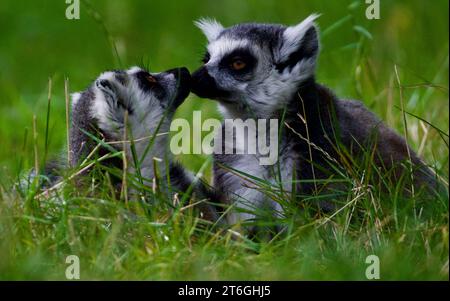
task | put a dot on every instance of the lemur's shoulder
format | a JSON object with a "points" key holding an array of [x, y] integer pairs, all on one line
{"points": [[81, 122], [361, 127], [356, 121], [355, 118], [352, 116], [358, 124]]}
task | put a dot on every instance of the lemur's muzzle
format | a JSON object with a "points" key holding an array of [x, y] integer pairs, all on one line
{"points": [[203, 85], [183, 81]]}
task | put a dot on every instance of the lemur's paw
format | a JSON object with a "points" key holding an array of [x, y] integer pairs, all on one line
{"points": [[112, 85], [104, 85], [107, 84]]}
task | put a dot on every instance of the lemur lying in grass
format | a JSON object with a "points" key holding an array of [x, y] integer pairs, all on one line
{"points": [[264, 71], [132, 110]]}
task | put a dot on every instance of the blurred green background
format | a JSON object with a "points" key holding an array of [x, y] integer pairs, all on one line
{"points": [[357, 58]]}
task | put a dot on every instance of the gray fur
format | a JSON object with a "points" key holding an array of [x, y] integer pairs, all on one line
{"points": [[283, 77], [100, 110]]}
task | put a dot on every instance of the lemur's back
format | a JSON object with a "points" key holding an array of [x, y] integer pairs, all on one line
{"points": [[360, 127]]}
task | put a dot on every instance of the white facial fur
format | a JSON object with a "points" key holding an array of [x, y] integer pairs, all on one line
{"points": [[219, 48]]}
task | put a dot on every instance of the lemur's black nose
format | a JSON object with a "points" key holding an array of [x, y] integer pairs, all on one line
{"points": [[205, 86], [183, 78], [180, 73]]}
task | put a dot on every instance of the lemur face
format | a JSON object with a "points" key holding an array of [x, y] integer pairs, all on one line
{"points": [[145, 97], [257, 67], [146, 100]]}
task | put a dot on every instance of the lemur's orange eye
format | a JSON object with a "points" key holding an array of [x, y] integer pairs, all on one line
{"points": [[151, 79], [238, 64]]}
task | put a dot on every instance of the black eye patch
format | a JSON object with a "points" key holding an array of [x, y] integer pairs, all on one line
{"points": [[243, 56], [150, 87]]}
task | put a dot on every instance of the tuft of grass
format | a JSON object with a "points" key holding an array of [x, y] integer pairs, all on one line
{"points": [[163, 238]]}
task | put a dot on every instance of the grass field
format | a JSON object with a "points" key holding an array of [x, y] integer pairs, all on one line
{"points": [[358, 60]]}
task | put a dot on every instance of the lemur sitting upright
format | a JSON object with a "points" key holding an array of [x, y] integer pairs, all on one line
{"points": [[264, 71], [150, 100]]}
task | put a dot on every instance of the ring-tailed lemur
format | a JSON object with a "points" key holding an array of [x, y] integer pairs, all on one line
{"points": [[264, 71], [149, 100]]}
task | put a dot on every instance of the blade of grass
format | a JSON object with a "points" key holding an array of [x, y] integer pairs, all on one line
{"points": [[49, 98]]}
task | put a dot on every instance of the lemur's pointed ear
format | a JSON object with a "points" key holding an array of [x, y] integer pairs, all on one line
{"points": [[210, 27], [299, 42]]}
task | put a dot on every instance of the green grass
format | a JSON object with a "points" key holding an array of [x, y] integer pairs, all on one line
{"points": [[159, 241]]}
